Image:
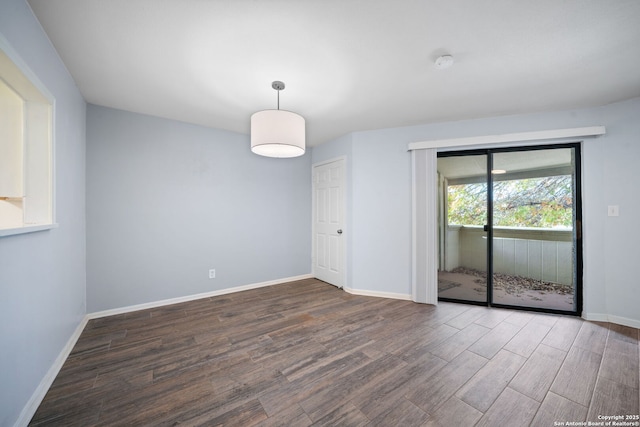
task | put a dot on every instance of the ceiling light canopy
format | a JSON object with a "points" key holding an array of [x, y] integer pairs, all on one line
{"points": [[277, 133]]}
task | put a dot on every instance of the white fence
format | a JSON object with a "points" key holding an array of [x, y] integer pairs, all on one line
{"points": [[541, 254]]}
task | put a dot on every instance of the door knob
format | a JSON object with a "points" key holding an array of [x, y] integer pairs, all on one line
{"points": [[339, 231]]}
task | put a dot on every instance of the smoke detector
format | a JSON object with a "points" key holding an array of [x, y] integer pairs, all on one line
{"points": [[444, 62]]}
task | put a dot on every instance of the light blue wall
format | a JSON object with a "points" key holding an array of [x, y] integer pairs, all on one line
{"points": [[42, 274], [380, 201], [167, 201], [381, 213]]}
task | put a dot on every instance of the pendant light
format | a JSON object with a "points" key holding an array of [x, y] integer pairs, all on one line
{"points": [[277, 133]]}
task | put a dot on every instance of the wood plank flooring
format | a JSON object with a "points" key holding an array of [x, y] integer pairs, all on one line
{"points": [[305, 353]]}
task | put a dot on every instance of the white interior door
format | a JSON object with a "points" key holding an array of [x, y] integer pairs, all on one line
{"points": [[328, 222]]}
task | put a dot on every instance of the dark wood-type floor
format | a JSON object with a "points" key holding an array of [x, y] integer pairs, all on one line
{"points": [[306, 353]]}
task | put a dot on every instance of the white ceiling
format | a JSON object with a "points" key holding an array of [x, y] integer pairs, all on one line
{"points": [[348, 65]]}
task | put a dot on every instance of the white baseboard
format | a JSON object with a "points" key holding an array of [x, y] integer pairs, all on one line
{"points": [[177, 300], [595, 317], [34, 402], [601, 317], [625, 321], [391, 295]]}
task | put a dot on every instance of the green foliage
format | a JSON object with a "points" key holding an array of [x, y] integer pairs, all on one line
{"points": [[533, 202], [468, 204]]}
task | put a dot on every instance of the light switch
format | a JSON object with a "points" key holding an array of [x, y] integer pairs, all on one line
{"points": [[613, 210]]}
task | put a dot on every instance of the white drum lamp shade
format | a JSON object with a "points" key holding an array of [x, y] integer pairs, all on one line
{"points": [[277, 133]]}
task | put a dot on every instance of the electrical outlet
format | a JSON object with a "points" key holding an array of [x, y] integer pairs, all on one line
{"points": [[212, 274]]}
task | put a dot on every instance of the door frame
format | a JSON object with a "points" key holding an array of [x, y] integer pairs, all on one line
{"points": [[345, 227], [578, 243]]}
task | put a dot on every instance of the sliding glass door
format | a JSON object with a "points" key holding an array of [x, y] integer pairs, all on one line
{"points": [[509, 227], [463, 213]]}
